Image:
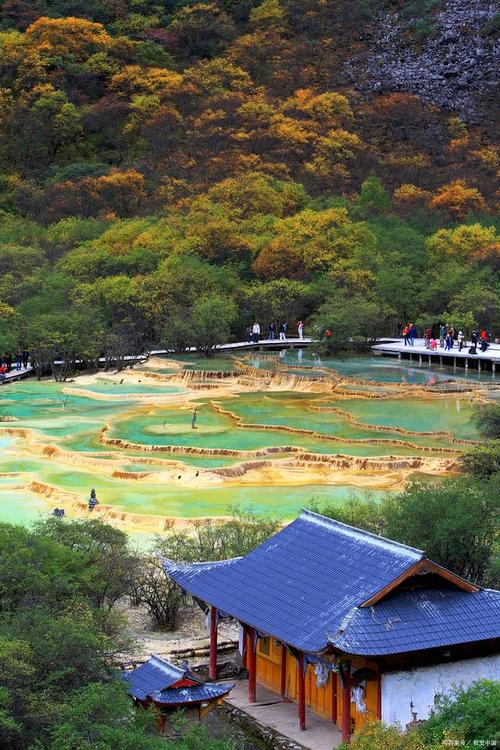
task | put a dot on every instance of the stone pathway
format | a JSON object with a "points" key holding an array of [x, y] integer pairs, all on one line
{"points": [[269, 711]]}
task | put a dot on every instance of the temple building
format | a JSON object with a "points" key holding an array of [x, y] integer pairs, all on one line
{"points": [[349, 625], [169, 687]]}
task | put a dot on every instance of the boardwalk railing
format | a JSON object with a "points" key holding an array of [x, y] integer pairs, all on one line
{"points": [[487, 360]]}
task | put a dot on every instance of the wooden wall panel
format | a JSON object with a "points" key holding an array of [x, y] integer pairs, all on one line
{"points": [[318, 699]]}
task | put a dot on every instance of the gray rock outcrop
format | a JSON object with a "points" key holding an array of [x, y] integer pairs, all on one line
{"points": [[454, 67]]}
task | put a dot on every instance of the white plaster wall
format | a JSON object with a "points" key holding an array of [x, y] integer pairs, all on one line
{"points": [[409, 694]]}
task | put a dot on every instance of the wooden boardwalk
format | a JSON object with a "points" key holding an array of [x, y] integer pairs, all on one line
{"points": [[487, 360], [131, 359], [13, 375], [288, 343]]}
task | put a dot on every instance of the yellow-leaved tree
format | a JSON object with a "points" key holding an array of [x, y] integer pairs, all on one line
{"points": [[466, 241]]}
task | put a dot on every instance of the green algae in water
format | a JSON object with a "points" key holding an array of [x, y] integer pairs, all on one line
{"points": [[73, 422], [112, 388], [386, 369], [170, 427], [183, 501], [445, 415], [20, 507]]}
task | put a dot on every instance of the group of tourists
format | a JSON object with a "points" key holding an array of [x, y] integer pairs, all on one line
{"points": [[254, 332], [92, 502], [22, 361], [410, 334], [446, 338]]}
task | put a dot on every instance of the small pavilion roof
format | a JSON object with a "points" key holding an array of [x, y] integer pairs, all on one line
{"points": [[203, 693], [164, 683], [320, 583]]}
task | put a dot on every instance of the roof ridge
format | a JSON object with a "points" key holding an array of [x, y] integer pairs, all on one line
{"points": [[381, 541], [164, 663], [199, 563]]}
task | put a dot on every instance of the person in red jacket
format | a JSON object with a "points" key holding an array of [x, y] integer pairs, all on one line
{"points": [[427, 336]]}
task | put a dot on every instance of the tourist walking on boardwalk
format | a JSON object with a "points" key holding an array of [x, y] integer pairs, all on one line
{"points": [[460, 340], [449, 342], [270, 332], [19, 360], [405, 332], [433, 345], [473, 341], [256, 332], [300, 329], [442, 334], [412, 334], [427, 336], [283, 328], [93, 501], [26, 358], [483, 340], [7, 358]]}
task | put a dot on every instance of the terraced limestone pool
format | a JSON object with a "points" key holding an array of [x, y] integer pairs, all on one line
{"points": [[270, 432]]}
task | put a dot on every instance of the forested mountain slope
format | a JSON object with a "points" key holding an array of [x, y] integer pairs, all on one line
{"points": [[163, 161]]}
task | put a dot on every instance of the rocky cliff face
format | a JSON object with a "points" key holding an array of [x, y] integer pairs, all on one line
{"points": [[453, 66]]}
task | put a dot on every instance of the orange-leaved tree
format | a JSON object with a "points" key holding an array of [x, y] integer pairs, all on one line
{"points": [[457, 198]]}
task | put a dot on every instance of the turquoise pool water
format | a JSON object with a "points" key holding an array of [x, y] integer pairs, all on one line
{"points": [[374, 368], [63, 450]]}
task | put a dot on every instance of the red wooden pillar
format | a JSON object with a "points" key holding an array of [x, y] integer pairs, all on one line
{"points": [[252, 666], [379, 696], [212, 668], [335, 696], [245, 648], [283, 672], [301, 691], [346, 702], [161, 721]]}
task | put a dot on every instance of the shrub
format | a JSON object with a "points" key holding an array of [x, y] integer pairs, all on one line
{"points": [[483, 460], [160, 595], [218, 540], [473, 712], [487, 420], [454, 522], [377, 736]]}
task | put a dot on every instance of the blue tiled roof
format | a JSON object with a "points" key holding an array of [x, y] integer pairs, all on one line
{"points": [[153, 676], [299, 585], [152, 680], [421, 619], [207, 692]]}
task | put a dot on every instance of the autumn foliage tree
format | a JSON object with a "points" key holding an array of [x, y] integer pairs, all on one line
{"points": [[458, 198], [153, 155]]}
